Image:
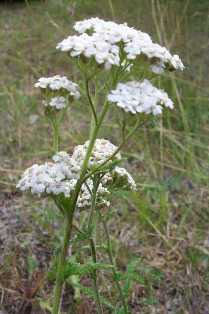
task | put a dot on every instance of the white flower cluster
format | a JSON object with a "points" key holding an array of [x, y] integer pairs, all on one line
{"points": [[55, 84], [58, 82], [104, 40], [61, 175], [85, 196], [123, 179], [102, 150], [54, 178], [58, 103], [91, 46], [140, 97]]}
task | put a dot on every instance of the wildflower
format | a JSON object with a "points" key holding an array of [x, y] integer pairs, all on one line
{"points": [[110, 43], [60, 176], [85, 196], [123, 179], [48, 178], [57, 82], [140, 97], [103, 149], [91, 46], [56, 102]]}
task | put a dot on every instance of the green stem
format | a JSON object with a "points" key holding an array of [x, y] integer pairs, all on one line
{"points": [[55, 127], [70, 213], [111, 259], [93, 247], [90, 100], [61, 264], [88, 155], [137, 125], [94, 276]]}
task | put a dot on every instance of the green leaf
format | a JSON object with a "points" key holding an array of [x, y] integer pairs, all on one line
{"points": [[74, 268]]}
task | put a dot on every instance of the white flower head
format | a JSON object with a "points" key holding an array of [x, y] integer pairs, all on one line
{"points": [[60, 176], [56, 102], [57, 82], [103, 149], [105, 40], [91, 46], [123, 179], [176, 62], [140, 97]]}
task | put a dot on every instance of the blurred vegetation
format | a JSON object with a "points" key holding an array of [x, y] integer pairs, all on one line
{"points": [[168, 219]]}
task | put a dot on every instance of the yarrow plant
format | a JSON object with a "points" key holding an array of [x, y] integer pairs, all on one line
{"points": [[106, 54]]}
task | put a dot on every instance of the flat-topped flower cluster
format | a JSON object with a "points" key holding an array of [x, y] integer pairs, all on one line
{"points": [[60, 89], [60, 176], [58, 82], [101, 152], [111, 44], [140, 97]]}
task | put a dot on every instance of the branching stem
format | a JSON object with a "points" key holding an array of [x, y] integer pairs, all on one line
{"points": [[70, 213], [137, 125]]}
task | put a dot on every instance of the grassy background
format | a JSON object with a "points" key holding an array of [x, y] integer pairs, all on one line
{"points": [[166, 224]]}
